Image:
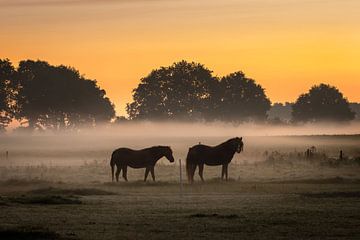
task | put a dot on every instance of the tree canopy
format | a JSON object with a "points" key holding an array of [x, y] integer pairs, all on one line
{"points": [[242, 99], [58, 97], [182, 91], [322, 103], [188, 91]]}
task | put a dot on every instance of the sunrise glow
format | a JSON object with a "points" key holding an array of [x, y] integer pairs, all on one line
{"points": [[286, 46]]}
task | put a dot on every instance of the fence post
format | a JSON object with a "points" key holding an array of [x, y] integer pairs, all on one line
{"points": [[181, 185], [341, 155], [7, 155]]}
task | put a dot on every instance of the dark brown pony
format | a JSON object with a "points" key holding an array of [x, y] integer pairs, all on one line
{"points": [[200, 155], [145, 158]]}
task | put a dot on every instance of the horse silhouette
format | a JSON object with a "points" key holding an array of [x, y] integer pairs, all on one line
{"points": [[222, 154], [145, 158]]}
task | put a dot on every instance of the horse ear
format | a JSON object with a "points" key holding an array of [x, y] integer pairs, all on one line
{"points": [[241, 138]]}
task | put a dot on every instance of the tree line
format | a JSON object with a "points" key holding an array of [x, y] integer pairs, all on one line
{"points": [[190, 91], [43, 96]]}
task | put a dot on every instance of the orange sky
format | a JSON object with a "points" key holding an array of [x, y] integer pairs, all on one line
{"points": [[286, 45]]}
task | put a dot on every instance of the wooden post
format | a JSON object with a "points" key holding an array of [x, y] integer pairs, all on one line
{"points": [[7, 155], [181, 185]]}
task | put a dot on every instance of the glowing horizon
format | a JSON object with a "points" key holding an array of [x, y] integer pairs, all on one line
{"points": [[287, 47]]}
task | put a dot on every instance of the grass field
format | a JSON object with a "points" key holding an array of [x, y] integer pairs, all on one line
{"points": [[302, 208], [284, 199]]}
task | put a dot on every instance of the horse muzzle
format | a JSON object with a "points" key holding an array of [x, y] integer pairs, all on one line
{"points": [[240, 149]]}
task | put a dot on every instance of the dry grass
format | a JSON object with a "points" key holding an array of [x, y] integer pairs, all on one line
{"points": [[354, 194], [26, 233], [214, 210], [71, 191], [214, 215], [44, 199]]}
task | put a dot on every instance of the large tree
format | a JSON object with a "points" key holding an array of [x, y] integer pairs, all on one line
{"points": [[7, 90], [242, 99], [182, 91], [322, 103], [58, 97]]}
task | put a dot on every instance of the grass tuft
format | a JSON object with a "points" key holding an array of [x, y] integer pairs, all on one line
{"points": [[44, 199], [334, 180], [22, 182], [71, 191], [214, 215], [332, 195]]}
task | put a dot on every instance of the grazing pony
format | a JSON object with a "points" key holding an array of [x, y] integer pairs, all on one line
{"points": [[221, 154], [145, 158]]}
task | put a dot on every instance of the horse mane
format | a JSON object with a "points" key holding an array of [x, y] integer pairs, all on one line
{"points": [[226, 142], [156, 147]]}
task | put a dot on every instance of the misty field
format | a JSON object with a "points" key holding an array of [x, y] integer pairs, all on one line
{"points": [[60, 188]]}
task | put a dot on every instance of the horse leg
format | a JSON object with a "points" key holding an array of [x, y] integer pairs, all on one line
{"points": [[125, 173], [147, 170], [193, 169], [118, 170], [201, 171], [189, 168], [226, 171], [223, 171], [152, 173], [188, 172]]}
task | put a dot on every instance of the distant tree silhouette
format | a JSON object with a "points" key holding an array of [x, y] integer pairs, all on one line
{"points": [[7, 90], [182, 91], [322, 103], [242, 99], [355, 107], [58, 97], [280, 111]]}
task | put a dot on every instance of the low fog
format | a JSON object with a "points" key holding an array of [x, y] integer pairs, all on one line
{"points": [[87, 145]]}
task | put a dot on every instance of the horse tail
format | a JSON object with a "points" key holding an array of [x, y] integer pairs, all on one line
{"points": [[112, 165], [189, 165]]}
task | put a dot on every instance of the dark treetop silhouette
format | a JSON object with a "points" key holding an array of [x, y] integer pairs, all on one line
{"points": [[182, 91], [145, 158], [58, 97], [241, 99], [188, 91], [221, 154], [322, 103], [50, 97]]}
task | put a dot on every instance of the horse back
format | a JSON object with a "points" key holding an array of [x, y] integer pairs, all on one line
{"points": [[203, 154], [127, 154], [133, 158], [122, 152]]}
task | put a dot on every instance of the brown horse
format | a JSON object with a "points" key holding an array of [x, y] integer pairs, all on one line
{"points": [[221, 154], [145, 158]]}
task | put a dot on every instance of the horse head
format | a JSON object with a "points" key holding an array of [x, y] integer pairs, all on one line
{"points": [[238, 144], [168, 154]]}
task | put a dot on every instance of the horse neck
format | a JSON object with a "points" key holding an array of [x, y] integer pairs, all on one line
{"points": [[157, 154], [226, 145]]}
